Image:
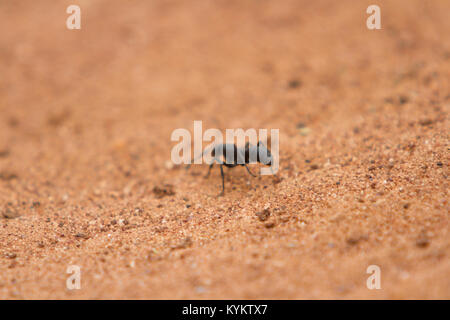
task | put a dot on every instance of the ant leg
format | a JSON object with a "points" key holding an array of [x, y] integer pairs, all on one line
{"points": [[209, 170], [223, 181], [249, 170]]}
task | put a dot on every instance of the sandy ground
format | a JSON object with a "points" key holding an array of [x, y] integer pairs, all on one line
{"points": [[86, 118]]}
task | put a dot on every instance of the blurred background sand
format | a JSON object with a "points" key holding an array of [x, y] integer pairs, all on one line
{"points": [[86, 117]]}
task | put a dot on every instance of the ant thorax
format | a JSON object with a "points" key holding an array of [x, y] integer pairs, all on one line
{"points": [[227, 154]]}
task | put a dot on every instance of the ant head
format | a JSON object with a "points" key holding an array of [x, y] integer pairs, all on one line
{"points": [[260, 152]]}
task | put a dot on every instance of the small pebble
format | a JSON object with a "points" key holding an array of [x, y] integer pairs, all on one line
{"points": [[294, 83], [263, 215], [269, 225], [10, 213], [422, 242], [81, 235]]}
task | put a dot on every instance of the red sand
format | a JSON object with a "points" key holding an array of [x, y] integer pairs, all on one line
{"points": [[86, 118]]}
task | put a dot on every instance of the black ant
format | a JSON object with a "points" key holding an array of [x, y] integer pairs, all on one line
{"points": [[235, 156]]}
